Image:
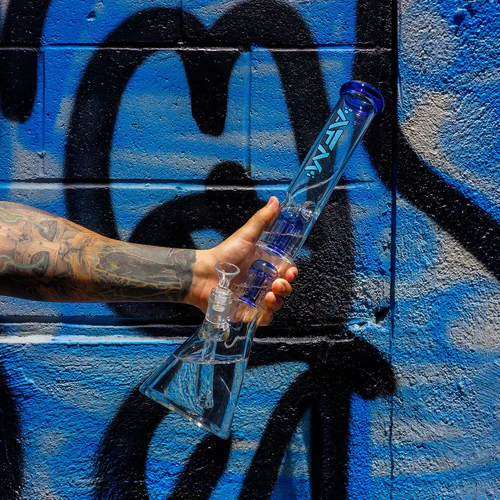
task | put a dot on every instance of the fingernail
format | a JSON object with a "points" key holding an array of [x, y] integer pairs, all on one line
{"points": [[281, 288], [270, 201]]}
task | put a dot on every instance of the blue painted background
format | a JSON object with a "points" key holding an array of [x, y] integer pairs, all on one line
{"points": [[392, 289]]}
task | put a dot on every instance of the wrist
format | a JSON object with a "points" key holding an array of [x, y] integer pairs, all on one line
{"points": [[201, 281]]}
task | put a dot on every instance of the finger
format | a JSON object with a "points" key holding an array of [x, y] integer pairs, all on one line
{"points": [[266, 317], [282, 287], [251, 231], [291, 274], [273, 302]]}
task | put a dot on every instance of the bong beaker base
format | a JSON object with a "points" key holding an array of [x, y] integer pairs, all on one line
{"points": [[204, 391], [202, 379]]}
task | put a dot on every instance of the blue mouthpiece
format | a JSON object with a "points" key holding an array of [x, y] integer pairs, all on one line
{"points": [[362, 97]]}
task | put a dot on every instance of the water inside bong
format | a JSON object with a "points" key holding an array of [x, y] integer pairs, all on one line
{"points": [[204, 391]]}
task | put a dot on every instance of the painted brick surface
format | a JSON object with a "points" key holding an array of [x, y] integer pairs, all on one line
{"points": [[445, 432], [133, 118]]}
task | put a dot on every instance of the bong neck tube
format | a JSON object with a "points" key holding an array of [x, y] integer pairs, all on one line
{"points": [[323, 166]]}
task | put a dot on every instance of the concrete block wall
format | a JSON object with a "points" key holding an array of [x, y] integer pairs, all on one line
{"points": [[446, 414], [169, 123]]}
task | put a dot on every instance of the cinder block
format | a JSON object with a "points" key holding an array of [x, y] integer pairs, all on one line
{"points": [[135, 114], [344, 266], [92, 22], [21, 118], [286, 23]]}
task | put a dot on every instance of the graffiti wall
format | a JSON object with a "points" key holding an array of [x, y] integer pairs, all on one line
{"points": [[169, 123], [446, 413]]}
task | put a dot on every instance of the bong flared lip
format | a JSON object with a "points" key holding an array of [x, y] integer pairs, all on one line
{"points": [[358, 92]]}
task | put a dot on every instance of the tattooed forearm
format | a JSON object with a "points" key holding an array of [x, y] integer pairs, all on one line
{"points": [[44, 257]]}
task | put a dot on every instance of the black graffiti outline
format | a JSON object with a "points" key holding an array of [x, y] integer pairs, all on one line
{"points": [[103, 470], [19, 47], [472, 226], [88, 159], [107, 73]]}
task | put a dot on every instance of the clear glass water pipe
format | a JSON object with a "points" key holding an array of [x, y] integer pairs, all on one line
{"points": [[203, 378]]}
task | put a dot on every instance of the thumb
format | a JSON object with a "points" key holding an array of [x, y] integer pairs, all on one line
{"points": [[251, 231]]}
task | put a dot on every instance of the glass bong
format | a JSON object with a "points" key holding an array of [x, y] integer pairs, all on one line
{"points": [[203, 378]]}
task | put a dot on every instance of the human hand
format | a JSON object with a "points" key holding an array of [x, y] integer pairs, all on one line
{"points": [[236, 249]]}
